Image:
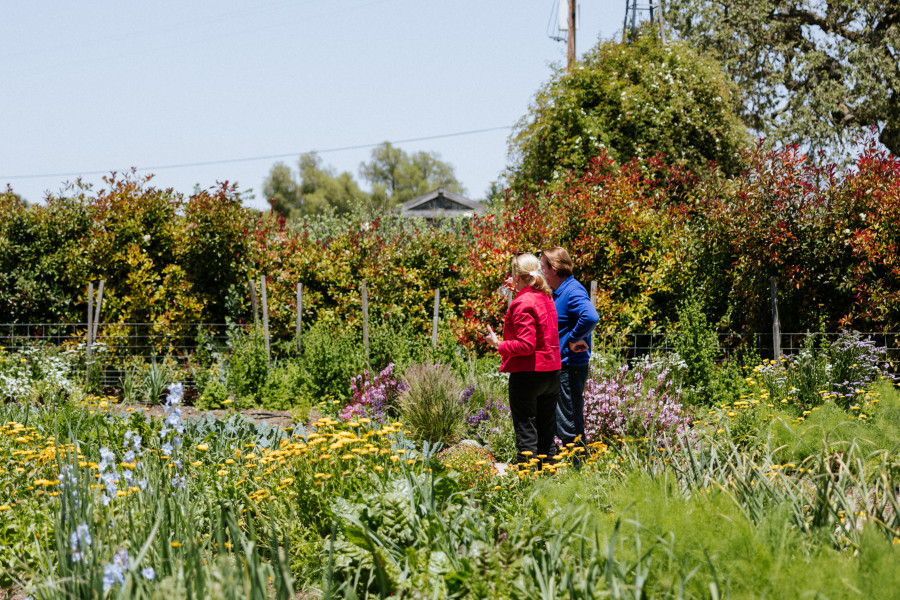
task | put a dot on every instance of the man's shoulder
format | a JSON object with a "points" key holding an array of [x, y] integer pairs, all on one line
{"points": [[571, 287]]}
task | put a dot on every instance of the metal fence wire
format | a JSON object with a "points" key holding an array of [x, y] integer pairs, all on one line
{"points": [[119, 346]]}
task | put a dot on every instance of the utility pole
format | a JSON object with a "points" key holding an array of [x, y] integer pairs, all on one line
{"points": [[571, 35]]}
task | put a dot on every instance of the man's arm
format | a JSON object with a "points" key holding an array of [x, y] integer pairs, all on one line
{"points": [[587, 318]]}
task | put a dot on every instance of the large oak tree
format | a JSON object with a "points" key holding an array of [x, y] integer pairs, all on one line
{"points": [[814, 72]]}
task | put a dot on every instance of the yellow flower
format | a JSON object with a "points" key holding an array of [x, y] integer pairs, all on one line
{"points": [[221, 472], [5, 507], [203, 447], [176, 544]]}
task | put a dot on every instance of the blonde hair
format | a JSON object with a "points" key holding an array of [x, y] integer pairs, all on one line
{"points": [[528, 268]]}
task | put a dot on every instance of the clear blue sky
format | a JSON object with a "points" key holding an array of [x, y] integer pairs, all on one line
{"points": [[94, 86]]}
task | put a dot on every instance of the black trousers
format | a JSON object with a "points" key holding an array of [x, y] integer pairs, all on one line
{"points": [[532, 403]]}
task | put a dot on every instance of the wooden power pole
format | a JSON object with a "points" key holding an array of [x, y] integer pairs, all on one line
{"points": [[571, 35]]}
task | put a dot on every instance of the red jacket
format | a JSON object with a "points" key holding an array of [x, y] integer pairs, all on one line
{"points": [[530, 335]]}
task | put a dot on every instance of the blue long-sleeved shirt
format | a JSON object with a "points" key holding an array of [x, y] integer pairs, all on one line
{"points": [[577, 318]]}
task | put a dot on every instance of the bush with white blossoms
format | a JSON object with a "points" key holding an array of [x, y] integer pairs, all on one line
{"points": [[33, 371]]}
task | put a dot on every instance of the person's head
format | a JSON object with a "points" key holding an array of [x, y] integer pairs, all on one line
{"points": [[556, 265], [526, 271]]}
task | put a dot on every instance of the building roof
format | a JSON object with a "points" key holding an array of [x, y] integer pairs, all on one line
{"points": [[440, 203]]}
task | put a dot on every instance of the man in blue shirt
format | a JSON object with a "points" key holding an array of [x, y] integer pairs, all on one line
{"points": [[577, 318]]}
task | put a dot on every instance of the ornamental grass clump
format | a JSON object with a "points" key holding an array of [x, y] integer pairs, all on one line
{"points": [[430, 406], [623, 403], [473, 464]]}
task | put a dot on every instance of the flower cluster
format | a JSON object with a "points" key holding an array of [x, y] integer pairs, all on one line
{"points": [[632, 403], [854, 366], [375, 398], [172, 423]]}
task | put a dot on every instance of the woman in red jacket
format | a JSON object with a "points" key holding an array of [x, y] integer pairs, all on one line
{"points": [[530, 352]]}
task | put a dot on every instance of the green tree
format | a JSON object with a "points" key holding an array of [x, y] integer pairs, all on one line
{"points": [[322, 188], [632, 100], [396, 176], [282, 190], [319, 189], [813, 72]]}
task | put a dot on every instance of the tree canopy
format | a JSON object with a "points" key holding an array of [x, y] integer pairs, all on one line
{"points": [[632, 99], [813, 72], [395, 177], [398, 176]]}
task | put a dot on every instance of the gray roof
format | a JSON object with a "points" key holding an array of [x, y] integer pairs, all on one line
{"points": [[440, 203]]}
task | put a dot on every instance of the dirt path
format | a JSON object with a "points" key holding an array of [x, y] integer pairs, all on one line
{"points": [[275, 418]]}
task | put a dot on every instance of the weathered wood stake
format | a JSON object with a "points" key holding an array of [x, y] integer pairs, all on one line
{"points": [[265, 315], [90, 328], [299, 316], [253, 305], [434, 326], [365, 317], [776, 324], [97, 311]]}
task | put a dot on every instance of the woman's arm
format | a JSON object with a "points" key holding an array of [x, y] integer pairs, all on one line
{"points": [[524, 325]]}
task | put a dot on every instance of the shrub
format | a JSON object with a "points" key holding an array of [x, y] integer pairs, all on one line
{"points": [[696, 344], [473, 464], [497, 433], [214, 395], [854, 366], [283, 388], [330, 358], [248, 365], [376, 398], [625, 403], [430, 406]]}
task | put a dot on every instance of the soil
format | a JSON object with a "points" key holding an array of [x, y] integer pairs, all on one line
{"points": [[275, 418]]}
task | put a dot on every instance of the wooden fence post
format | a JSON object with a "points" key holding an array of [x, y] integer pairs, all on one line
{"points": [[97, 311], [253, 306], [365, 316], [265, 315], [776, 324], [90, 328], [299, 316], [434, 326]]}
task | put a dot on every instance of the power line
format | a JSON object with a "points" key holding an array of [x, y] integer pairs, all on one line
{"points": [[267, 157]]}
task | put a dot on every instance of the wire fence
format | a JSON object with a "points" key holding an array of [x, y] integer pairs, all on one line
{"points": [[637, 345], [121, 346]]}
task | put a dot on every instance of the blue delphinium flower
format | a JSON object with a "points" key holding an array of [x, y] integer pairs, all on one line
{"points": [[148, 573]]}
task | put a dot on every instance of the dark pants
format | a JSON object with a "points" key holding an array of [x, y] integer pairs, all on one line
{"points": [[532, 403], [570, 408]]}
